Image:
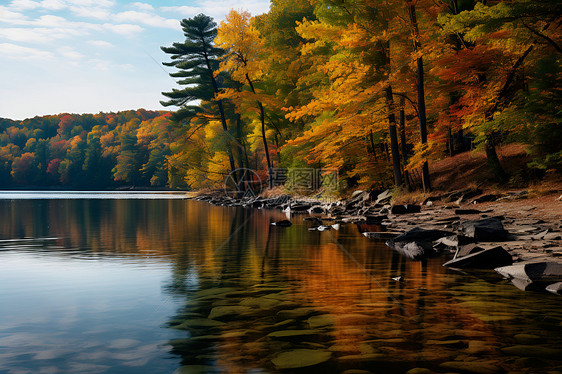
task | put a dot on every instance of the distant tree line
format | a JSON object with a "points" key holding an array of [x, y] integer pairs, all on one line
{"points": [[88, 151]]}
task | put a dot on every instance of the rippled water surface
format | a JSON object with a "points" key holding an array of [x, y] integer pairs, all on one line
{"points": [[157, 285]]}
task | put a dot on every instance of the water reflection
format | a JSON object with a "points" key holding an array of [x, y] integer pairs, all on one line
{"points": [[246, 296]]}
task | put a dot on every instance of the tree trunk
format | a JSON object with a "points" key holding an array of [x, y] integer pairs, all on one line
{"points": [[264, 140], [393, 137], [421, 93], [403, 143], [493, 160]]}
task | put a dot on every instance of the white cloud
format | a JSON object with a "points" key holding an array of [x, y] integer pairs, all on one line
{"points": [[100, 43], [24, 4], [8, 16], [145, 18], [69, 53], [90, 12], [142, 6], [123, 29], [31, 35], [53, 4], [17, 51], [219, 8]]}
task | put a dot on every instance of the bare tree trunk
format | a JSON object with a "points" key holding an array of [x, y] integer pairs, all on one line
{"points": [[403, 143], [264, 140], [421, 94]]}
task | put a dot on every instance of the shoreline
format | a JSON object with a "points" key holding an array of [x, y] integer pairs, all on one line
{"points": [[528, 228]]}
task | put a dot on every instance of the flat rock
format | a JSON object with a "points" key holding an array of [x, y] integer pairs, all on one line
{"points": [[533, 351], [291, 334], [198, 322], [300, 358], [295, 313], [227, 312], [527, 338], [477, 367], [482, 259], [488, 229], [283, 223], [525, 273], [323, 320]]}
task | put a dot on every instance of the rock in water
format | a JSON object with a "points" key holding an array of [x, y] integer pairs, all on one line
{"points": [[555, 288], [300, 358], [537, 274], [488, 229], [417, 243], [283, 223], [482, 259]]}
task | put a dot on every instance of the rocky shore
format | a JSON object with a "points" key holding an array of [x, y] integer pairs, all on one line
{"points": [[519, 236]]}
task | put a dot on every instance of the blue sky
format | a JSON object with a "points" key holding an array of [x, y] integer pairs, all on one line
{"points": [[87, 56]]}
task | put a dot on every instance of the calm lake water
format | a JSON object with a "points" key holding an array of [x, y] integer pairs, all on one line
{"points": [[153, 283]]}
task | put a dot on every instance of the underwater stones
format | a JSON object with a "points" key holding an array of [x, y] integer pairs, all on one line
{"points": [[527, 339], [227, 312], [292, 334], [297, 313], [324, 320], [477, 367], [195, 369], [533, 351], [478, 346], [198, 322], [419, 371], [214, 292], [260, 302], [300, 358]]}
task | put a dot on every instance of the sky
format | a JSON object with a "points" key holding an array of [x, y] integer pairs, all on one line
{"points": [[91, 56]]}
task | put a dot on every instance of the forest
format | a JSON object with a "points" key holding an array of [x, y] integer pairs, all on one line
{"points": [[375, 89]]}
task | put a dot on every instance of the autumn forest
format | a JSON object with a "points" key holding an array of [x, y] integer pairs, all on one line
{"points": [[375, 89]]}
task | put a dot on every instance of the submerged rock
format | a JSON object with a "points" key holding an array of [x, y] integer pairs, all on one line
{"points": [[533, 351], [300, 358], [198, 322], [477, 367], [292, 334], [227, 312]]}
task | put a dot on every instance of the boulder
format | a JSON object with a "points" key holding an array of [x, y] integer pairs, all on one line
{"points": [[481, 258], [488, 229], [405, 209]]}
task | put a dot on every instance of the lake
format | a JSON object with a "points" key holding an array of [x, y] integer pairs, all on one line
{"points": [[154, 283]]}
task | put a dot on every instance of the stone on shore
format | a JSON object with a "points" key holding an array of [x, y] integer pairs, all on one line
{"points": [[488, 229], [482, 259]]}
